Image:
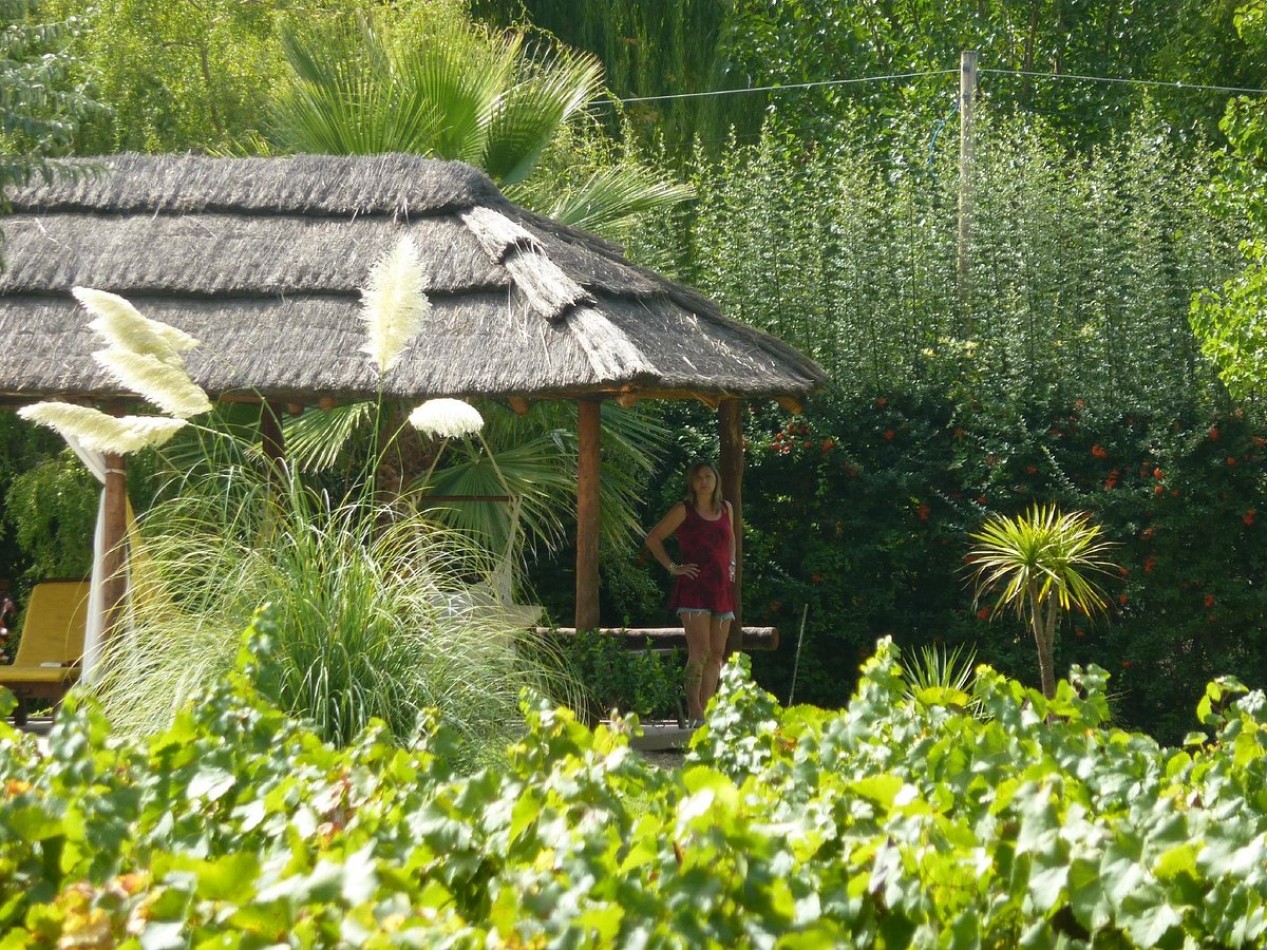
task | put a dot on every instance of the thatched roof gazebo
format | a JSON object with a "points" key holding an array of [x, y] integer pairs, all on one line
{"points": [[263, 260]]}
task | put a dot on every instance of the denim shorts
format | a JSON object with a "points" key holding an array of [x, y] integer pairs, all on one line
{"points": [[696, 611]]}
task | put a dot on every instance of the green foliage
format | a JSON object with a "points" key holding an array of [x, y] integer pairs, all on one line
{"points": [[1026, 47], [863, 509], [53, 509], [1065, 373], [1231, 327], [614, 678], [41, 105], [175, 76], [1080, 269], [652, 52], [892, 823]]}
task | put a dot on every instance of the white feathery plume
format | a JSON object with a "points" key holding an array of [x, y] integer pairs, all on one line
{"points": [[123, 327], [393, 303], [102, 433], [166, 386], [446, 418]]}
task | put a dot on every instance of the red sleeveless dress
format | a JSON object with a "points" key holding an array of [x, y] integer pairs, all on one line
{"points": [[706, 544]]}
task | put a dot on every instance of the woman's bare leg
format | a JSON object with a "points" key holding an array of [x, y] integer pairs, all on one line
{"points": [[697, 653], [718, 631]]}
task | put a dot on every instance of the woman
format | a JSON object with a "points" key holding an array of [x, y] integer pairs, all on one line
{"points": [[704, 591]]}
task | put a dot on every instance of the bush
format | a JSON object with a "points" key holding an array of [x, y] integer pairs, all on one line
{"points": [[899, 822], [615, 678], [861, 509]]}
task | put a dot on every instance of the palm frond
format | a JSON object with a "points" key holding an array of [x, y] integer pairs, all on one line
{"points": [[527, 116], [612, 197], [318, 440]]}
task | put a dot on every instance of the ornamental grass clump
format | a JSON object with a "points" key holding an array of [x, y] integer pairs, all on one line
{"points": [[367, 611]]}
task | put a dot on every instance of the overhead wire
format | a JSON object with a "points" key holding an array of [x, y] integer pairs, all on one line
{"points": [[1178, 85]]}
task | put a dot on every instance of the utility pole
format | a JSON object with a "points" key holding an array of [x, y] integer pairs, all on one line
{"points": [[967, 102]]}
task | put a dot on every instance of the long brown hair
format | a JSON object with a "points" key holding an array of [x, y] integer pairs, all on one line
{"points": [[690, 480]]}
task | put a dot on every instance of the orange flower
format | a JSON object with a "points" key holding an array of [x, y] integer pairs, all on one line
{"points": [[1079, 632], [1249, 516], [1231, 460], [889, 435], [1127, 664], [881, 402], [983, 614], [1158, 474], [1123, 599], [924, 512], [1213, 433], [828, 444], [1099, 451], [1149, 564], [1031, 469], [1159, 490], [1209, 601]]}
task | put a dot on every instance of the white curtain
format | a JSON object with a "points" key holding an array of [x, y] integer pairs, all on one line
{"points": [[96, 462]]}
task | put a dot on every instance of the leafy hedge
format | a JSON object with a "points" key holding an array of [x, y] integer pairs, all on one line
{"points": [[861, 510], [927, 819]]}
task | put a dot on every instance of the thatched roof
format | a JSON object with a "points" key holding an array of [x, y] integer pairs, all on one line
{"points": [[263, 260]]}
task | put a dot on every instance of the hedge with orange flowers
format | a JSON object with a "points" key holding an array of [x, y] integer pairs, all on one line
{"points": [[861, 508]]}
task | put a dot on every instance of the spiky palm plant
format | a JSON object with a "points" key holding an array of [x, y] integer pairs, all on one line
{"points": [[1037, 564]]}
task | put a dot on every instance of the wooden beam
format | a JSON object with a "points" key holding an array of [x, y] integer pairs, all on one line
{"points": [[668, 638], [114, 546], [589, 441], [730, 464], [790, 404]]}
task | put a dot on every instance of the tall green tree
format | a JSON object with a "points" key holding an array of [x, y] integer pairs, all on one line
{"points": [[41, 105], [654, 53], [177, 74]]}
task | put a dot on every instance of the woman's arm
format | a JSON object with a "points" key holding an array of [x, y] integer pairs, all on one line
{"points": [[655, 541]]}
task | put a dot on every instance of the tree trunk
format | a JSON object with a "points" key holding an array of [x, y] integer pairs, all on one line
{"points": [[1044, 637]]}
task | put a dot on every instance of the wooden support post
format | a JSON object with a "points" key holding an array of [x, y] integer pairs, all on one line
{"points": [[114, 542], [730, 464], [589, 440], [272, 441]]}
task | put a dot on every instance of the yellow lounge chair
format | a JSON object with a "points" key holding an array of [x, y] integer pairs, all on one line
{"points": [[52, 644]]}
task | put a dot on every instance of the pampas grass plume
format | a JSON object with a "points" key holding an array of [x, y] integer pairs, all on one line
{"points": [[394, 303], [99, 432], [123, 327], [446, 418], [166, 386]]}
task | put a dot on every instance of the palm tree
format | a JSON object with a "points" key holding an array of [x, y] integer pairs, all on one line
{"points": [[491, 99], [1035, 564]]}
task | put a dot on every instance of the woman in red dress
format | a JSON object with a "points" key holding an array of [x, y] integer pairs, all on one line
{"points": [[704, 585]]}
